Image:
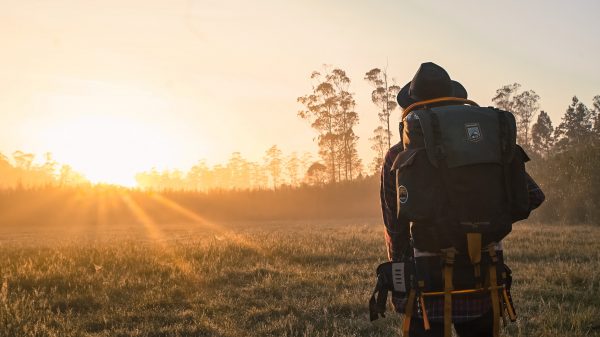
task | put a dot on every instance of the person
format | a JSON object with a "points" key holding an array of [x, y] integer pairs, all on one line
{"points": [[471, 314]]}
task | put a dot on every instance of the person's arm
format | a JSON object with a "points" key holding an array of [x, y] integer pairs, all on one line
{"points": [[536, 195], [397, 233]]}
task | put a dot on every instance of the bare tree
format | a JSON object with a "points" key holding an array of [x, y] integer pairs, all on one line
{"points": [[384, 97]]}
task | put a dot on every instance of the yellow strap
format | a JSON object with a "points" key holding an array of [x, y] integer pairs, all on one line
{"points": [[494, 292], [408, 313], [437, 100], [425, 318], [464, 291], [474, 247], [477, 274], [448, 293], [509, 308]]}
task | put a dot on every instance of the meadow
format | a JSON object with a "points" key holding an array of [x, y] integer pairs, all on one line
{"points": [[302, 278]]}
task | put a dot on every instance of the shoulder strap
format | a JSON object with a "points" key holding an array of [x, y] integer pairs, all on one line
{"points": [[437, 100]]}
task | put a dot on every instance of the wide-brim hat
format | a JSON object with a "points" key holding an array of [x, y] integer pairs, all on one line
{"points": [[430, 81]]}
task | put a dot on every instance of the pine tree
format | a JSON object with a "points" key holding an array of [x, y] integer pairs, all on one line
{"points": [[542, 134], [575, 128], [273, 163], [596, 112]]}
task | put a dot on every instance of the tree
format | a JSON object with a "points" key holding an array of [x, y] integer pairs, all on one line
{"points": [[542, 134], [316, 174], [69, 177], [504, 96], [596, 112], [238, 170], [576, 126], [379, 145], [273, 164], [523, 105], [23, 160], [346, 119], [292, 166], [384, 97], [330, 110]]}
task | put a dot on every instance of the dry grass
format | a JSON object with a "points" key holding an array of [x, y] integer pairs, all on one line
{"points": [[265, 280]]}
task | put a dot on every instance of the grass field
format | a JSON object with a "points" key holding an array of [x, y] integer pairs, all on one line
{"points": [[270, 279]]}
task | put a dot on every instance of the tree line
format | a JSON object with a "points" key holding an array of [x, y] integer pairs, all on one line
{"points": [[21, 171], [565, 154], [274, 171], [565, 158], [330, 108]]}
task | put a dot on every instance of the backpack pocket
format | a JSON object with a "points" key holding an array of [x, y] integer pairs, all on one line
{"points": [[418, 186]]}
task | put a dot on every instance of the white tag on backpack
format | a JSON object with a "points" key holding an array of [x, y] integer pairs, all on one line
{"points": [[398, 277]]}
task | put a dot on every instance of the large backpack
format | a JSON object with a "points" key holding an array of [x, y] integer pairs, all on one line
{"points": [[461, 183], [461, 172]]}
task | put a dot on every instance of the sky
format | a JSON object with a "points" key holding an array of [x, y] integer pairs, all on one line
{"points": [[116, 87]]}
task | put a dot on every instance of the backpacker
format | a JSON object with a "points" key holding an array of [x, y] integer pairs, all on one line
{"points": [[461, 183]]}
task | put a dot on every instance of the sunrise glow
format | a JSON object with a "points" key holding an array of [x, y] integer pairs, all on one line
{"points": [[106, 136]]}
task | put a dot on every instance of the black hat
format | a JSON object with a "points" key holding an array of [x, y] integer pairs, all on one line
{"points": [[430, 81]]}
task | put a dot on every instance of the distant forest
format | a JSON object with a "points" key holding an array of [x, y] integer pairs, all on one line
{"points": [[565, 160]]}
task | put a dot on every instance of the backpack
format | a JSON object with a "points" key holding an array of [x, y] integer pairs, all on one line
{"points": [[460, 172], [461, 183]]}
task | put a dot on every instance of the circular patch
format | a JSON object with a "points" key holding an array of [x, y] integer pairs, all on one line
{"points": [[402, 194]]}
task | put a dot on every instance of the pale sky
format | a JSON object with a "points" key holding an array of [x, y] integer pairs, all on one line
{"points": [[166, 83]]}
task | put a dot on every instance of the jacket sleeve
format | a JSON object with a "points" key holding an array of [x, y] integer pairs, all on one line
{"points": [[397, 233]]}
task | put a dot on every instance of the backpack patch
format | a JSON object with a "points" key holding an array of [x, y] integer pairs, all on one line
{"points": [[473, 132], [402, 194]]}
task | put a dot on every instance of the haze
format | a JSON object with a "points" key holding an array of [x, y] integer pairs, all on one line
{"points": [[117, 87]]}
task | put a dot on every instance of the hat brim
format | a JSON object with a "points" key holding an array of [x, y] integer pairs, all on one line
{"points": [[404, 99]]}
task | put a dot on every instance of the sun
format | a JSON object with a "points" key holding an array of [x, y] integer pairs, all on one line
{"points": [[108, 138]]}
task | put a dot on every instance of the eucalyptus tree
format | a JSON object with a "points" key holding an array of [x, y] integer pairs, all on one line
{"points": [[523, 105], [384, 97], [330, 108]]}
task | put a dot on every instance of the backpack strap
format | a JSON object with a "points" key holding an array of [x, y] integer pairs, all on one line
{"points": [[507, 298], [437, 100], [426, 324], [448, 287], [378, 299], [410, 304], [505, 148], [440, 157], [494, 289], [474, 250]]}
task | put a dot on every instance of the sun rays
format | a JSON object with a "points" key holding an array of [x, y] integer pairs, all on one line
{"points": [[103, 212], [158, 236]]}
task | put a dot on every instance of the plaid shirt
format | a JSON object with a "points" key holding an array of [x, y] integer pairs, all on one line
{"points": [[397, 237]]}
